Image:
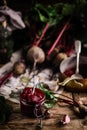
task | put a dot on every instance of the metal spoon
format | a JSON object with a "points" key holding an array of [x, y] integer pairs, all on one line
{"points": [[78, 51], [76, 75]]}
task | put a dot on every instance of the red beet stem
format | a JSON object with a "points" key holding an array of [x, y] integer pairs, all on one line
{"points": [[42, 35], [70, 102], [58, 38], [5, 78]]}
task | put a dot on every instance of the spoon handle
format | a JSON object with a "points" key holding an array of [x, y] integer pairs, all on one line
{"points": [[78, 50], [78, 46]]}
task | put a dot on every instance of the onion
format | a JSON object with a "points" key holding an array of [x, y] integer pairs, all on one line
{"points": [[35, 54]]}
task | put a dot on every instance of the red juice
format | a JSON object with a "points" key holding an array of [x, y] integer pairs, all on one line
{"points": [[82, 70], [31, 102]]}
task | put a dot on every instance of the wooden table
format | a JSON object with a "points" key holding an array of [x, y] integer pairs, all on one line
{"points": [[19, 122]]}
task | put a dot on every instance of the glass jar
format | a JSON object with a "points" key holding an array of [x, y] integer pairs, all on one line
{"points": [[32, 104]]}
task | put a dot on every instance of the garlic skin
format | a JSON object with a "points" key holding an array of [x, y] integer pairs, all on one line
{"points": [[65, 120]]}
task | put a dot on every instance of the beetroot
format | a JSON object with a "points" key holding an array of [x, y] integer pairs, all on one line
{"points": [[30, 102]]}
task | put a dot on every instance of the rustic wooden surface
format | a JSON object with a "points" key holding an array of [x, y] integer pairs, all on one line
{"points": [[19, 122]]}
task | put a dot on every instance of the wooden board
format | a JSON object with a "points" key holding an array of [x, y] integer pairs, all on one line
{"points": [[19, 122]]}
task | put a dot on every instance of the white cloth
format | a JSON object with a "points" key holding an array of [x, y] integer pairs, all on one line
{"points": [[15, 17]]}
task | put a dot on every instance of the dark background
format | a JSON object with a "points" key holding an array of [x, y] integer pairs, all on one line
{"points": [[22, 5]]}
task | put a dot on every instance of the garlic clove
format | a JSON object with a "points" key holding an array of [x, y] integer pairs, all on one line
{"points": [[65, 120]]}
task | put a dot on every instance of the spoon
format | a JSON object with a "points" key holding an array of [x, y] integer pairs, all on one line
{"points": [[78, 51], [76, 75]]}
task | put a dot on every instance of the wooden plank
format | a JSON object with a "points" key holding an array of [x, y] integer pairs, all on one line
{"points": [[19, 122]]}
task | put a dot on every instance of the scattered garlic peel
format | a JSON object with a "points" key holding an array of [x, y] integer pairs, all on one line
{"points": [[65, 120]]}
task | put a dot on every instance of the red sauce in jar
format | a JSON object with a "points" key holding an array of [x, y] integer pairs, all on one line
{"points": [[82, 70], [30, 103]]}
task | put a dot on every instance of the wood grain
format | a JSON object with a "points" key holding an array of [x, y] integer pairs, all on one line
{"points": [[19, 122]]}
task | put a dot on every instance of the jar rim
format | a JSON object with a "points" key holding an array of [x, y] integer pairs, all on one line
{"points": [[38, 90]]}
